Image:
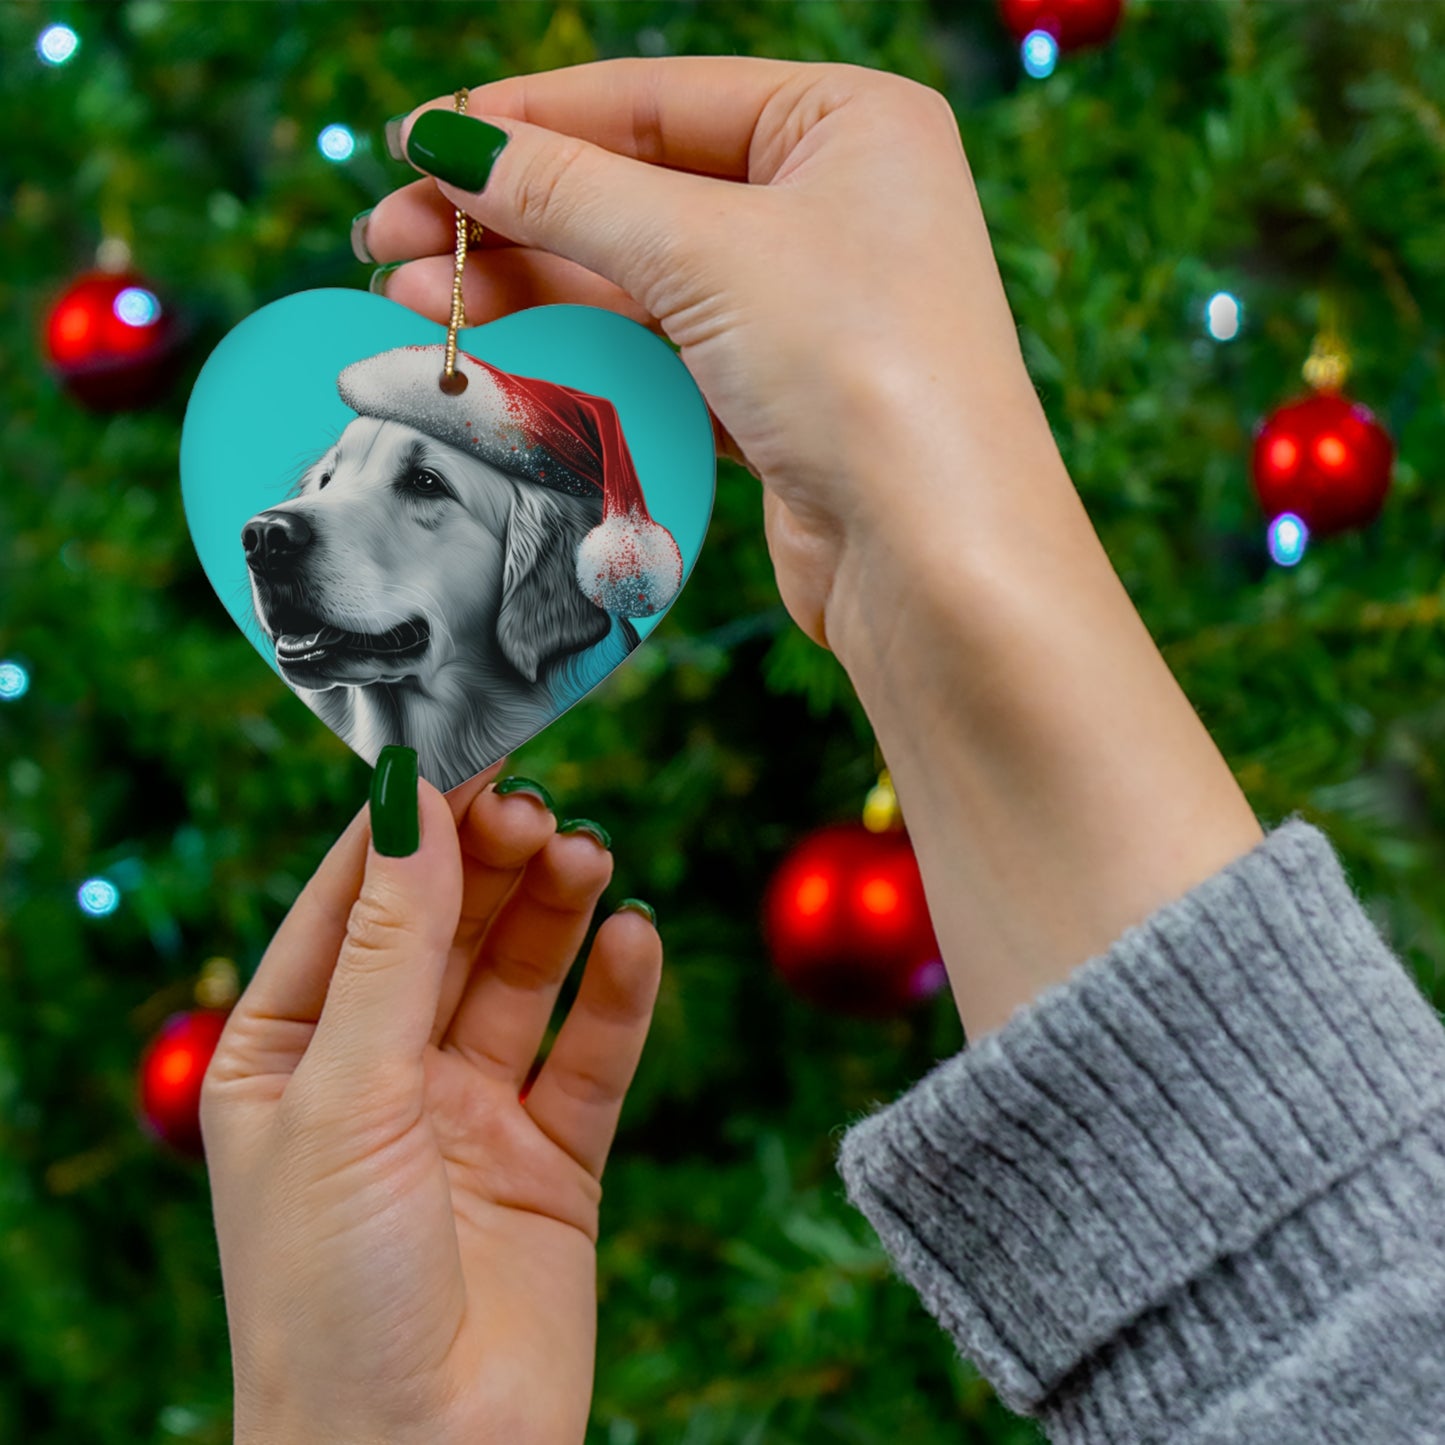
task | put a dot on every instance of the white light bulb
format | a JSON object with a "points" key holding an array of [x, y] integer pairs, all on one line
{"points": [[1288, 538], [98, 897], [1040, 53], [137, 307], [57, 44], [1223, 316], [336, 143], [14, 681]]}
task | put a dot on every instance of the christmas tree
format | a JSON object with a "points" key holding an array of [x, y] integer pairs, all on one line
{"points": [[1213, 161]]}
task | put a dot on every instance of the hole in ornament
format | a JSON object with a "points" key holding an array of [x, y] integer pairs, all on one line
{"points": [[453, 385]]}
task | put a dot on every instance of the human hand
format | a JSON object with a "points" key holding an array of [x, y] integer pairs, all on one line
{"points": [[835, 310], [810, 238], [408, 1247]]}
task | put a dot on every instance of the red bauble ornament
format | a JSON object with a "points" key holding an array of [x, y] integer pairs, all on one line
{"points": [[171, 1071], [111, 341], [847, 923], [1324, 458], [1073, 23]]}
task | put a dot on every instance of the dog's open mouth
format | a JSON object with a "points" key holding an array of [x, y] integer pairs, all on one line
{"points": [[303, 640]]}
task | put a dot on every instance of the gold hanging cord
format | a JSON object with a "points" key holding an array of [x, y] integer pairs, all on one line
{"points": [[453, 381]]}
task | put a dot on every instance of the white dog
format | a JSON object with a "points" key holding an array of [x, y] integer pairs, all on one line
{"points": [[418, 595]]}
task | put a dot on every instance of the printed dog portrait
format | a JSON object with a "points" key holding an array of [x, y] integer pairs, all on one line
{"points": [[419, 595]]}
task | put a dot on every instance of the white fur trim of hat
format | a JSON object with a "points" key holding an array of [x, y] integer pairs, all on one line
{"points": [[554, 436]]}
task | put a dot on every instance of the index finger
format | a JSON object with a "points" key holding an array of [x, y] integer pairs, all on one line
{"points": [[695, 113]]}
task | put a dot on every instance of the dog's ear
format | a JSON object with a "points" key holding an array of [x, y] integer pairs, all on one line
{"points": [[544, 616]]}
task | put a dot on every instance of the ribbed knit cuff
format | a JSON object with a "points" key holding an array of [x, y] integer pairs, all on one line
{"points": [[1168, 1151]]}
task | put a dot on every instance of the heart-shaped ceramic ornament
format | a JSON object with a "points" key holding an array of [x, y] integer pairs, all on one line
{"points": [[445, 569]]}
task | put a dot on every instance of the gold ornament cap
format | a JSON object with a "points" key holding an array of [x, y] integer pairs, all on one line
{"points": [[1328, 365], [881, 812], [219, 985]]}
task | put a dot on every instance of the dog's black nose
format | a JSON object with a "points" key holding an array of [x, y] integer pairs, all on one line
{"points": [[273, 539]]}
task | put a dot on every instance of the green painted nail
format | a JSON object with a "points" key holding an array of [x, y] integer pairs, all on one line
{"points": [[586, 825], [526, 785], [636, 905], [379, 278], [455, 148], [395, 824], [393, 136], [359, 248]]}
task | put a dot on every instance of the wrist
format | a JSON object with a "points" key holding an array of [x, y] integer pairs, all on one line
{"points": [[946, 536], [1057, 784]]}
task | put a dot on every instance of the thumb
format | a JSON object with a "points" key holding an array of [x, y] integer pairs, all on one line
{"points": [[628, 221], [382, 1000]]}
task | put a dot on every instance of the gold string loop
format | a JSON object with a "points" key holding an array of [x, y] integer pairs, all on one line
{"points": [[453, 382]]}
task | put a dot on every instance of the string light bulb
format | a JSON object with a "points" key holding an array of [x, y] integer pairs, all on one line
{"points": [[1288, 538], [98, 897], [1223, 316], [57, 44], [1039, 53], [14, 681], [336, 143]]}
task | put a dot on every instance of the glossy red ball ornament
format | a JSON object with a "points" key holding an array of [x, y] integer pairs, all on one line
{"points": [[171, 1071], [847, 924], [1324, 458], [1073, 23], [112, 341]]}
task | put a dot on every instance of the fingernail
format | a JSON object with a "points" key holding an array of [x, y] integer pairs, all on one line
{"points": [[379, 278], [636, 905], [526, 785], [393, 137], [359, 248], [395, 824], [454, 148], [586, 825]]}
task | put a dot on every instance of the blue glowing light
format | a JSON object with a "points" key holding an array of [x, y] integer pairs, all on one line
{"points": [[14, 681], [336, 143], [1288, 537], [57, 44], [137, 307], [1040, 52], [1223, 316], [98, 897]]}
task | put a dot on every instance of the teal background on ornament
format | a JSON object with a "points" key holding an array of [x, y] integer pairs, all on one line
{"points": [[265, 407]]}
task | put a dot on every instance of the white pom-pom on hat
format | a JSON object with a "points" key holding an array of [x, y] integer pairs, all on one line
{"points": [[629, 565], [555, 436]]}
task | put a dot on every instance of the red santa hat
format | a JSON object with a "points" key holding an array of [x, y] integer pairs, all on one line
{"points": [[544, 433]]}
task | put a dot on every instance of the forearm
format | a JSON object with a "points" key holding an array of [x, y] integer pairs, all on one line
{"points": [[1056, 782]]}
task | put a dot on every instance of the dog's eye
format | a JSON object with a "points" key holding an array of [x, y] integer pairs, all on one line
{"points": [[321, 485], [428, 484]]}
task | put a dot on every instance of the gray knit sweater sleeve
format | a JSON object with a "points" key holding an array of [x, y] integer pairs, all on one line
{"points": [[1196, 1192]]}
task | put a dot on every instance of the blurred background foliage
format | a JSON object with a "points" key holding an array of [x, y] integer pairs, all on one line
{"points": [[1292, 154]]}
